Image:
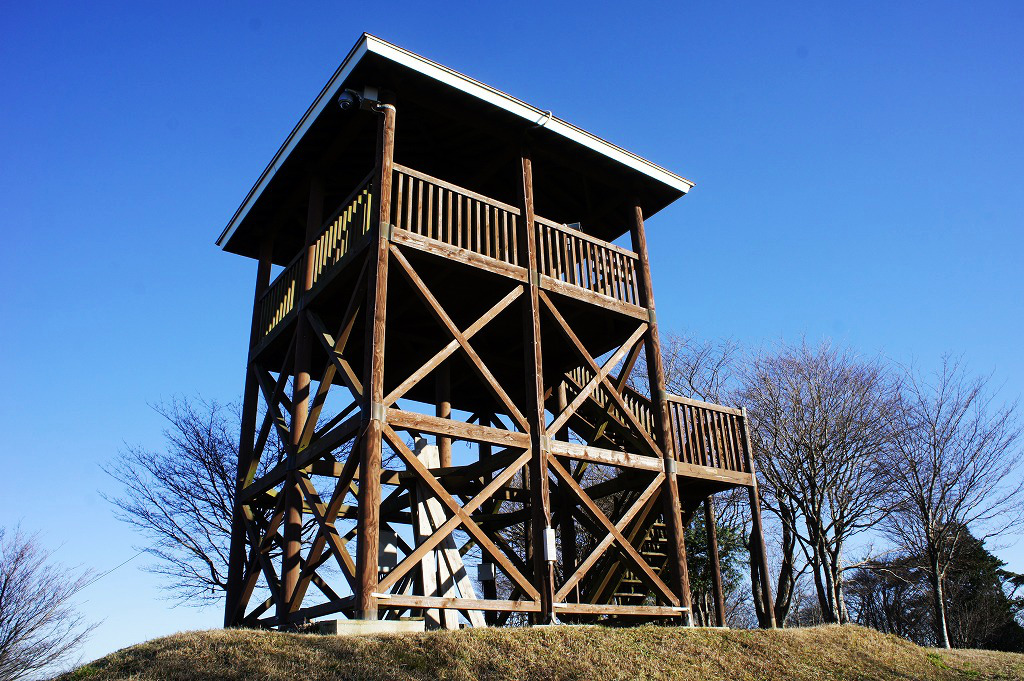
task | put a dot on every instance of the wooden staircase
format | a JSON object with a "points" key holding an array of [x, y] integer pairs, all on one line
{"points": [[630, 590]]}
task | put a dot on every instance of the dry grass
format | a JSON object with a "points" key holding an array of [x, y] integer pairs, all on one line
{"points": [[816, 654]]}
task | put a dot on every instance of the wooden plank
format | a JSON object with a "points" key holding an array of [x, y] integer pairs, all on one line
{"points": [[758, 552], [471, 432], [551, 284], [711, 530], [326, 522], [612, 392], [456, 252], [608, 457], [703, 405], [629, 610], [238, 592], [406, 601], [370, 442], [659, 410], [580, 234], [337, 363]]}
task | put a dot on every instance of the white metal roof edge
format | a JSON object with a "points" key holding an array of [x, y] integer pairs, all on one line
{"points": [[368, 43], [350, 62]]}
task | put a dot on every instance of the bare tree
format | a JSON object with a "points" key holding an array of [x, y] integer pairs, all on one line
{"points": [[955, 471], [180, 498], [39, 623], [819, 428]]}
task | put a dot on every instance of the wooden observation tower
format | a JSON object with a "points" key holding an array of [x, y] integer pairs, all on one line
{"points": [[452, 292]]}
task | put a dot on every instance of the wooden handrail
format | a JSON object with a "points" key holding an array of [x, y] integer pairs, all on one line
{"points": [[455, 188], [582, 260], [703, 433], [453, 215], [708, 434], [704, 405], [583, 235]]}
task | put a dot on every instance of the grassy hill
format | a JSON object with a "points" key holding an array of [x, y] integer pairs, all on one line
{"points": [[817, 654]]}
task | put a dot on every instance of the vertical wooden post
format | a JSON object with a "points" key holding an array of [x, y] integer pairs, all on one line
{"points": [[489, 586], [443, 408], [291, 560], [250, 407], [716, 567], [566, 505], [758, 552], [659, 408], [540, 516], [371, 441]]}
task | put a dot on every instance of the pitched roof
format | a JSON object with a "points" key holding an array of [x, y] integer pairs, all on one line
{"points": [[370, 47]]}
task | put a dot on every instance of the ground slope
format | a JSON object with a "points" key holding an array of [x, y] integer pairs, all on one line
{"points": [[816, 654]]}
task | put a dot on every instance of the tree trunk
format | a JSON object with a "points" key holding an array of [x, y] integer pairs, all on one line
{"points": [[819, 571], [760, 606], [787, 581], [941, 625]]}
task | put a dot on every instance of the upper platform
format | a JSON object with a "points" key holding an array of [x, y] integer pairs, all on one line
{"points": [[451, 126]]}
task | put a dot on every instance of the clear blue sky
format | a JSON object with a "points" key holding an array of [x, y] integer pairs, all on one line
{"points": [[859, 170]]}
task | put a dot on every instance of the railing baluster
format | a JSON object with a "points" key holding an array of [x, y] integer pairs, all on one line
{"points": [[487, 232], [398, 205], [430, 211]]}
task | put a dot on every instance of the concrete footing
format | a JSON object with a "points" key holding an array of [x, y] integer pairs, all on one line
{"points": [[366, 627]]}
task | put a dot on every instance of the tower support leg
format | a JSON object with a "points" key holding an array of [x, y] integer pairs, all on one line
{"points": [[659, 407], [371, 440]]}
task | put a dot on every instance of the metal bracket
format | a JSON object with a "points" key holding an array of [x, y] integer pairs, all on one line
{"points": [[535, 278], [670, 466], [387, 231], [651, 317], [378, 412]]}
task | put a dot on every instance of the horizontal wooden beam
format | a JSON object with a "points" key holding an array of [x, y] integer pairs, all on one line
{"points": [[637, 610], [424, 423], [449, 252], [557, 286], [689, 470], [403, 601], [710, 406], [608, 457]]}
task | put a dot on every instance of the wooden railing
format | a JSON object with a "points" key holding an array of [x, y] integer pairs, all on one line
{"points": [[442, 211], [343, 230], [340, 233], [279, 299], [708, 434], [636, 402], [582, 260], [703, 434], [463, 219]]}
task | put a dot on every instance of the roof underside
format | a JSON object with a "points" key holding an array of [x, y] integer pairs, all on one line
{"points": [[454, 128]]}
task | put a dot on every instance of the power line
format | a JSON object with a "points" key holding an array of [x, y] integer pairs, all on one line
{"points": [[116, 567]]}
